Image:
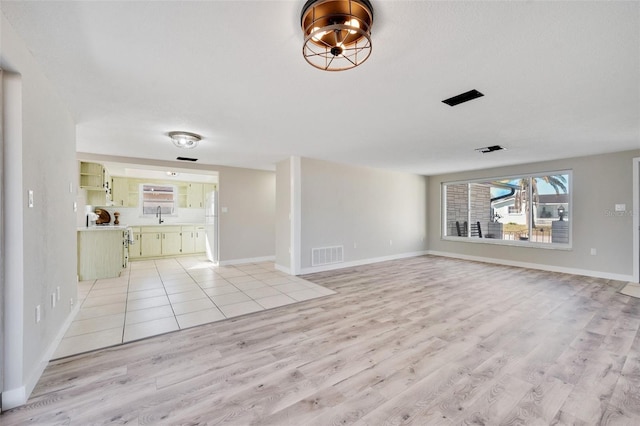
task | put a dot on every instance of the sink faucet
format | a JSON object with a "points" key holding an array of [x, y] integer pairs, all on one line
{"points": [[159, 215]]}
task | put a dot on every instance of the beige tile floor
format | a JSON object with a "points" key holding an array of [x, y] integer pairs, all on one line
{"points": [[631, 289], [153, 297]]}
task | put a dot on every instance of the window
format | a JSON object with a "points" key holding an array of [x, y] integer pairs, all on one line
{"points": [[529, 210], [158, 198]]}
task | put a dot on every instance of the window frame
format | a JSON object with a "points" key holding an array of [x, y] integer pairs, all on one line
{"points": [[503, 242], [174, 201]]}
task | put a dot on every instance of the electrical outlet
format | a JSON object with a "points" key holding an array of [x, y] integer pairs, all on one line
{"points": [[355, 245], [53, 299], [30, 198], [390, 242], [37, 314], [594, 252], [70, 187], [58, 293]]}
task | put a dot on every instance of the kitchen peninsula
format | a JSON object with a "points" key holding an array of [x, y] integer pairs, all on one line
{"points": [[102, 251]]}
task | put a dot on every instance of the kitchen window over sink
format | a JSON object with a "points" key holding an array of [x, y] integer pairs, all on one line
{"points": [[156, 196]]}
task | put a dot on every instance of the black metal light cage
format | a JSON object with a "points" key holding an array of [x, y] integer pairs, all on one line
{"points": [[337, 33]]}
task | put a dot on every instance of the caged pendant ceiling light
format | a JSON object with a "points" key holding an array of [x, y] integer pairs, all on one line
{"points": [[337, 33]]}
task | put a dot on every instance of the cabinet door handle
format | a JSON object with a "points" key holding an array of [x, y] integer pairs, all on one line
{"points": [[157, 236], [192, 235]]}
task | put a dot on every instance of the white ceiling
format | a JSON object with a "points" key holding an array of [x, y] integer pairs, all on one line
{"points": [[561, 79]]}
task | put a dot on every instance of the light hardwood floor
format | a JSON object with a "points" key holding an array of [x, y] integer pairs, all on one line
{"points": [[425, 340]]}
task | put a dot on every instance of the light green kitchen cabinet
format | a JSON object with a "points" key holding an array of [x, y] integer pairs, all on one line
{"points": [[91, 176], [200, 240], [195, 199], [100, 253], [209, 187], [135, 247], [150, 244], [171, 243], [134, 192], [188, 239], [120, 191]]}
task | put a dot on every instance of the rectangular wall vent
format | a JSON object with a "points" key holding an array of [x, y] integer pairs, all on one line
{"points": [[186, 159], [488, 149], [463, 97], [327, 255]]}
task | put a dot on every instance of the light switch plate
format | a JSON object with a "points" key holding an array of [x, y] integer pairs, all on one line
{"points": [[224, 210], [621, 207], [31, 198]]}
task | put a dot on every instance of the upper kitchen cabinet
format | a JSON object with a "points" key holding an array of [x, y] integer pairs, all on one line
{"points": [[120, 191], [92, 176], [208, 188], [96, 180], [195, 195]]}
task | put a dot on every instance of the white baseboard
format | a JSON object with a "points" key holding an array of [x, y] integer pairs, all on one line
{"points": [[247, 260], [334, 266], [550, 268], [13, 398], [32, 381]]}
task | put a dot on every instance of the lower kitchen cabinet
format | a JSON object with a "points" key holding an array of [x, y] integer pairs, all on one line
{"points": [[150, 244], [200, 240], [188, 239], [101, 253], [157, 241], [171, 242], [134, 247]]}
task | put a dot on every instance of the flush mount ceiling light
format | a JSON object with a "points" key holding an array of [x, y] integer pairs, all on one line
{"points": [[185, 139], [337, 33]]}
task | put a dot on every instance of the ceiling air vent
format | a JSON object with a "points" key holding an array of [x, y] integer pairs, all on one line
{"points": [[488, 149], [186, 159], [463, 97]]}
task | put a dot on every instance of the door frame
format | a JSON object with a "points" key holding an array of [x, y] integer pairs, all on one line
{"points": [[636, 219]]}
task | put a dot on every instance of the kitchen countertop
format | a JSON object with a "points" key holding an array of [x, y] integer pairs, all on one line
{"points": [[112, 227], [103, 228]]}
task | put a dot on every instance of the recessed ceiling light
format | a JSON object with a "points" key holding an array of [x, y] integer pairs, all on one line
{"points": [[463, 97]]}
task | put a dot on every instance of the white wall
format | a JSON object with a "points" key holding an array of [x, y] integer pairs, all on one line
{"points": [[599, 183], [375, 214], [41, 244], [247, 228]]}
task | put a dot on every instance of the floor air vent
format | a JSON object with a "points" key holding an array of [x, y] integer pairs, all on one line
{"points": [[327, 255]]}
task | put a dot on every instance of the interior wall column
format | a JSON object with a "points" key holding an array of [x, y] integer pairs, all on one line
{"points": [[296, 215], [13, 391]]}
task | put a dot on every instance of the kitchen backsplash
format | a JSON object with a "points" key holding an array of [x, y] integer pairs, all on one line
{"points": [[130, 216]]}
